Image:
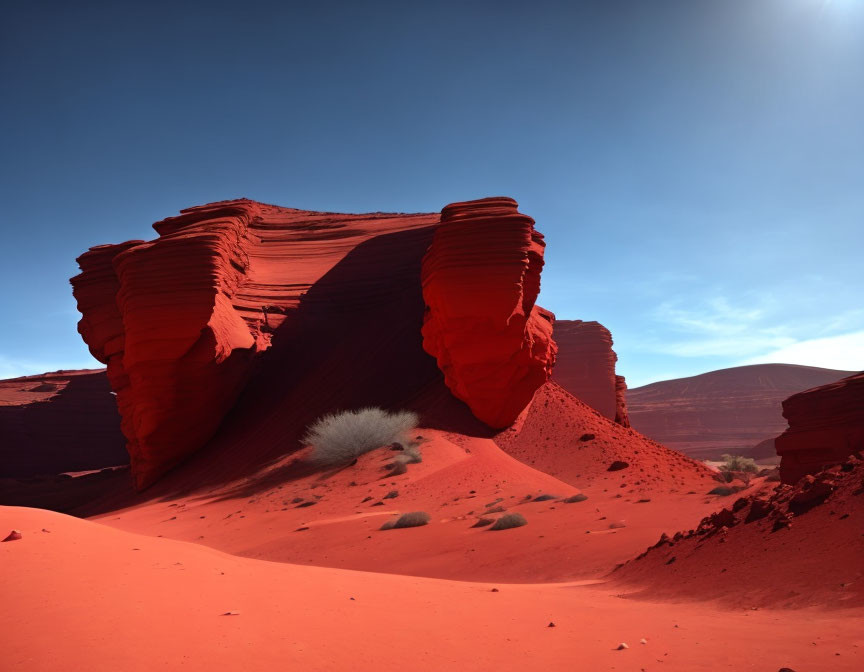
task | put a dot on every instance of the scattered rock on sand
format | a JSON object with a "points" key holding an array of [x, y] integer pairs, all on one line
{"points": [[575, 498], [618, 465], [621, 646], [14, 535]]}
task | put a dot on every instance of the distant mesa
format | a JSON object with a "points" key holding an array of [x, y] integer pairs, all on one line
{"points": [[586, 368], [826, 426], [736, 410], [182, 322], [58, 422]]}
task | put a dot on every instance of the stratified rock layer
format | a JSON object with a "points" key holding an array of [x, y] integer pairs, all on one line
{"points": [[57, 422], [586, 368], [481, 277], [179, 321], [826, 426]]}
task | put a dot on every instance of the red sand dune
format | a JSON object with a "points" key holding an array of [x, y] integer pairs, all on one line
{"points": [[258, 512], [586, 368], [826, 425], [725, 411], [56, 422], [802, 546], [481, 277], [121, 601]]}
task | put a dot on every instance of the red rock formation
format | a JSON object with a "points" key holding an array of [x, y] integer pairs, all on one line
{"points": [[57, 422], [586, 367], [481, 277], [179, 320], [826, 426], [725, 411]]}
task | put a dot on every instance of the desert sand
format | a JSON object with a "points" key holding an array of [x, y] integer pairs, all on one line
{"points": [[107, 599]]}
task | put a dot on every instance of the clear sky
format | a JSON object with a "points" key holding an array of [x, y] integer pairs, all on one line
{"points": [[696, 166]]}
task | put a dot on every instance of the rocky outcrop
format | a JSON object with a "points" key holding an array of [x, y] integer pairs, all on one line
{"points": [[826, 426], [481, 277], [586, 368], [793, 546], [725, 411], [182, 322], [58, 422], [179, 321]]}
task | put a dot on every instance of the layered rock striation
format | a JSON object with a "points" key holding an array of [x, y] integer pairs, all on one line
{"points": [[180, 320], [481, 278], [826, 426]]}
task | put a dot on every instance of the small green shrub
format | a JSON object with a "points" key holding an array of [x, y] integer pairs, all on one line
{"points": [[508, 521], [339, 438], [412, 519]]}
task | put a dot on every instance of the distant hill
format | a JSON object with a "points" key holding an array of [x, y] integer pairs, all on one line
{"points": [[725, 411]]}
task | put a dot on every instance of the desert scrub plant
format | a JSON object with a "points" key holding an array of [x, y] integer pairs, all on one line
{"points": [[412, 519], [738, 463], [338, 438], [508, 521]]}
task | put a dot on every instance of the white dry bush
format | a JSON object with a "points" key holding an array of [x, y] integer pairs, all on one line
{"points": [[339, 438]]}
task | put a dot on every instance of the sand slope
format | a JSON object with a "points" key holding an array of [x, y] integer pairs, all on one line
{"points": [[121, 601]]}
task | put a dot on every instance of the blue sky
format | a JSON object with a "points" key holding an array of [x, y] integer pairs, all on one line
{"points": [[696, 166]]}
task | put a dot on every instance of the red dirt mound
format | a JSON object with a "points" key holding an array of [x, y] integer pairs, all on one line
{"points": [[726, 411], [797, 547], [564, 437], [56, 422]]}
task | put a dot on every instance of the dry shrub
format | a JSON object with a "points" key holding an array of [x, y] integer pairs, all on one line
{"points": [[339, 438]]}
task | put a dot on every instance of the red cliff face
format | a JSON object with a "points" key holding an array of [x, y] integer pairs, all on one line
{"points": [[182, 321], [826, 425], [586, 368], [481, 277], [179, 321]]}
